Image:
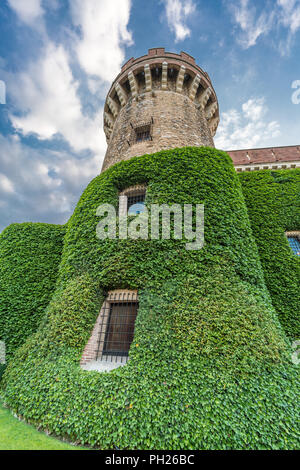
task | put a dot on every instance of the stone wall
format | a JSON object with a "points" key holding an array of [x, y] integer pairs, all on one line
{"points": [[168, 94], [174, 120]]}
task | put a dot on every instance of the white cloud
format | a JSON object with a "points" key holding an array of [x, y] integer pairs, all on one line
{"points": [[6, 185], [29, 11], [48, 96], [50, 103], [41, 184], [289, 17], [254, 109], [178, 12], [104, 33], [290, 14], [252, 25], [246, 128]]}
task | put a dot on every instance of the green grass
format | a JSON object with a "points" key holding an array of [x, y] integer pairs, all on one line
{"points": [[17, 435]]}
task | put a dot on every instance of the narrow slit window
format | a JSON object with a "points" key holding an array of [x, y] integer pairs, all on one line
{"points": [[295, 245]]}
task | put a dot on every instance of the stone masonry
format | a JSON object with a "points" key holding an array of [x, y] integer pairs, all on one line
{"points": [[171, 98], [167, 95]]}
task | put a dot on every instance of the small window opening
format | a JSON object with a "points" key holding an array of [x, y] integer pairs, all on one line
{"points": [[143, 133], [136, 204], [132, 200], [294, 244]]}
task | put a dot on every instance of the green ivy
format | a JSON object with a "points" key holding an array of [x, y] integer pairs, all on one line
{"points": [[2, 369], [209, 363], [29, 258], [273, 202]]}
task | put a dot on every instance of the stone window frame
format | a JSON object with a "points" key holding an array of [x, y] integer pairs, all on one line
{"points": [[143, 131], [293, 234], [134, 190], [139, 125], [92, 349]]}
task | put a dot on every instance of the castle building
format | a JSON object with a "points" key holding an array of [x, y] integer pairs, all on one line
{"points": [[164, 100], [141, 342], [161, 101]]}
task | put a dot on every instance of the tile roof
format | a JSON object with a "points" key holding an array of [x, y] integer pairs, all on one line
{"points": [[265, 155]]}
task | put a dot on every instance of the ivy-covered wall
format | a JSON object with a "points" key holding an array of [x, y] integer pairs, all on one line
{"points": [[273, 203], [29, 258], [209, 364]]}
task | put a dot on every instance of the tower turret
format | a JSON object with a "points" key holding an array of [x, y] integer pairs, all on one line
{"points": [[159, 101]]}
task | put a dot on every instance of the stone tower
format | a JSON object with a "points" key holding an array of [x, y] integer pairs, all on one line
{"points": [[159, 101]]}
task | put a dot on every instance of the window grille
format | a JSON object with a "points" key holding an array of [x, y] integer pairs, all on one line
{"points": [[136, 203], [294, 244], [143, 133], [132, 200], [116, 329]]}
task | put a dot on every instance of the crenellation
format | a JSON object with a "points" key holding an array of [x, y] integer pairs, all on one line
{"points": [[213, 124], [133, 84], [148, 78], [204, 97], [211, 109], [164, 76], [174, 94], [121, 94], [114, 108], [108, 120], [180, 78], [194, 87]]}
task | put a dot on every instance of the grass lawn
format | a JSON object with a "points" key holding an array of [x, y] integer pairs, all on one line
{"points": [[16, 435]]}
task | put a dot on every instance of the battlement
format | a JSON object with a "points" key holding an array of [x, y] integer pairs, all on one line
{"points": [[160, 52], [169, 91], [176, 72]]}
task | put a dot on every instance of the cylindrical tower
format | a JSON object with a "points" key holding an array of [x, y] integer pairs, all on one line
{"points": [[159, 101]]}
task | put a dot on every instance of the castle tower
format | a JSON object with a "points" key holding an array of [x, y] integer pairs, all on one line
{"points": [[159, 101], [206, 363]]}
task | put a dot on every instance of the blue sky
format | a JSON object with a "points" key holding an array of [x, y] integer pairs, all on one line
{"points": [[58, 58]]}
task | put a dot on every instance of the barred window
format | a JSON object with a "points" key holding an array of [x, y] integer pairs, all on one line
{"points": [[132, 200], [143, 133], [109, 344], [294, 244], [136, 203], [119, 329]]}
